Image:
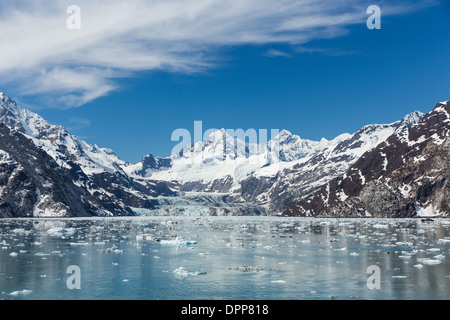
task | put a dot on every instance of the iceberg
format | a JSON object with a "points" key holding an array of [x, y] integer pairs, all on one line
{"points": [[61, 232], [182, 272], [431, 261], [178, 242], [20, 292]]}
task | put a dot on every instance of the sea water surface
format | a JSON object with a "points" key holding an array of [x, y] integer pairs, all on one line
{"points": [[224, 258]]}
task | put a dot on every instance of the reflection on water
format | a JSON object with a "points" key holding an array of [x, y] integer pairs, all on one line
{"points": [[224, 258]]}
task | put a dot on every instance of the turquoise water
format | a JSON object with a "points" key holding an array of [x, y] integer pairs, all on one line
{"points": [[223, 258]]}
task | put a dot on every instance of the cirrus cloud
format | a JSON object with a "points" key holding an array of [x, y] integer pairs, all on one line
{"points": [[118, 38]]}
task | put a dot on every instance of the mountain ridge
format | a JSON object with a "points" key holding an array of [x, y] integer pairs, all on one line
{"points": [[405, 176], [277, 177]]}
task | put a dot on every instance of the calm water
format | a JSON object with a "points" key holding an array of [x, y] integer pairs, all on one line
{"points": [[286, 259]]}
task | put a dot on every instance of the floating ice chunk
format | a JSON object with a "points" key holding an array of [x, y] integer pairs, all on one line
{"points": [[431, 261], [41, 254], [439, 256], [168, 222], [245, 268], [144, 237], [61, 232], [434, 249], [182, 272], [178, 242], [404, 243], [13, 254], [77, 244], [354, 254], [418, 266], [399, 277], [113, 249], [278, 281], [380, 226], [341, 249], [21, 231], [409, 253], [445, 240], [20, 292]]}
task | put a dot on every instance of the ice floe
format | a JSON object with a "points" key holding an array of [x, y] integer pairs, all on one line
{"points": [[144, 237], [21, 292], [61, 232], [245, 268], [178, 241], [182, 272], [429, 261]]}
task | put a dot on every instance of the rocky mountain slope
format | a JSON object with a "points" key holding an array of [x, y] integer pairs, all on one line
{"points": [[277, 174], [96, 172], [398, 169], [405, 176], [33, 184]]}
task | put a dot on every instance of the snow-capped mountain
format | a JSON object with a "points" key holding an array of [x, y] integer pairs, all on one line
{"points": [[56, 141], [33, 184], [97, 171], [290, 147], [406, 175], [400, 168], [279, 189], [273, 175], [225, 157]]}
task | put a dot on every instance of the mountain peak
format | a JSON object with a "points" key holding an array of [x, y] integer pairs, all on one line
{"points": [[286, 136], [410, 119], [285, 132], [218, 134], [445, 105], [7, 101]]}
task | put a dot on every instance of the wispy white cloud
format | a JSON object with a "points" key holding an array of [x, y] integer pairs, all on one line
{"points": [[273, 53], [119, 38]]}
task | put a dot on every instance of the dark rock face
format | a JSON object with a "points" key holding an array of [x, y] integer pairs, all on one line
{"points": [[395, 170], [32, 183], [150, 162], [83, 181], [291, 185], [405, 176]]}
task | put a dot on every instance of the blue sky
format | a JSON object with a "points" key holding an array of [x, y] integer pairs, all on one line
{"points": [[322, 85]]}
